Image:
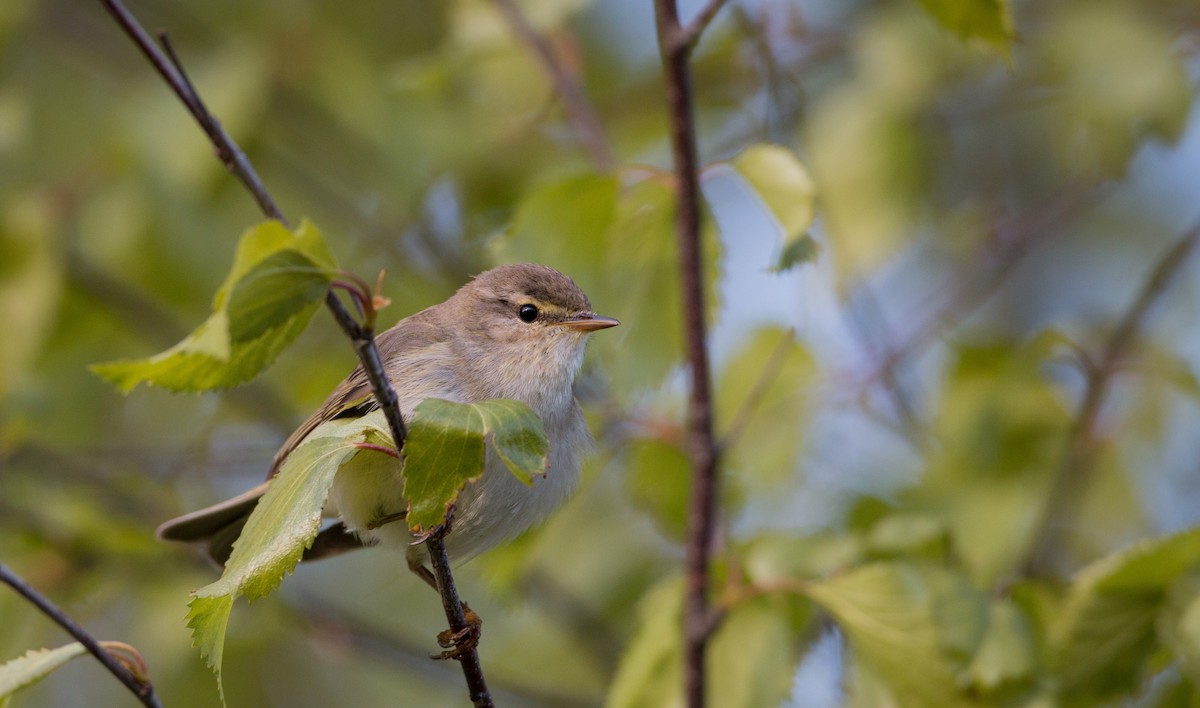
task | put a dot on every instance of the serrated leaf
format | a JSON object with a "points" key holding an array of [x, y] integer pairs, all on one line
{"points": [[987, 20], [275, 285], [783, 184], [445, 450], [649, 675], [517, 436], [283, 524], [910, 625], [33, 666], [1105, 632]]}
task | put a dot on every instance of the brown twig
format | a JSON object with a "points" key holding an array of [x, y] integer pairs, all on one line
{"points": [[580, 113], [361, 337], [472, 670], [141, 687], [1068, 489], [675, 44]]}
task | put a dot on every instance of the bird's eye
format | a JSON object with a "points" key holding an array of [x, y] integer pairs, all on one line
{"points": [[527, 313]]}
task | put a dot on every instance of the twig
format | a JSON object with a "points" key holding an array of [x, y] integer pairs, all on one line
{"points": [[580, 112], [361, 337], [472, 670], [702, 445], [142, 688], [1067, 491]]}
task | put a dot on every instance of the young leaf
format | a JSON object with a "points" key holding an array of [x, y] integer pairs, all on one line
{"points": [[987, 20], [445, 450], [1105, 633], [284, 523], [33, 666], [277, 282], [753, 654], [783, 184]]}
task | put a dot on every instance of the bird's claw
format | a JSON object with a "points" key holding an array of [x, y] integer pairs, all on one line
{"points": [[464, 640]]}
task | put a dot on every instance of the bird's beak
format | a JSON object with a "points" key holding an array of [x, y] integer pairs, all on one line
{"points": [[588, 322]]}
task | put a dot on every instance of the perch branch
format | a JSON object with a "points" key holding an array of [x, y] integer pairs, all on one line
{"points": [[361, 337]]}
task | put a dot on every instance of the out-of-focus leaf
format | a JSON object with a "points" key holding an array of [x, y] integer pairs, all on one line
{"points": [[30, 282], [754, 652], [802, 249], [986, 20], [913, 626], [283, 524], [1003, 427], [1122, 81], [783, 184], [908, 535], [658, 477], [650, 675], [445, 450], [33, 666], [276, 284], [1105, 634], [772, 558], [760, 405], [1008, 652]]}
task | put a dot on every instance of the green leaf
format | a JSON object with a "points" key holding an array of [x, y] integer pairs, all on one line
{"points": [[1008, 651], [33, 666], [277, 282], [913, 626], [783, 184], [753, 654], [761, 406], [1105, 633], [650, 675], [445, 450], [987, 20], [657, 479], [284, 523], [800, 250]]}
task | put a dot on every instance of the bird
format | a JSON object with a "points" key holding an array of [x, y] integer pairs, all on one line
{"points": [[516, 331]]}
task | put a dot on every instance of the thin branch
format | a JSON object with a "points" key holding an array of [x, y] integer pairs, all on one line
{"points": [[142, 688], [469, 659], [361, 337], [580, 113], [695, 28], [701, 442], [1068, 489]]}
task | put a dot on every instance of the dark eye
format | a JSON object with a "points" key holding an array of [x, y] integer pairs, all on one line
{"points": [[527, 313]]}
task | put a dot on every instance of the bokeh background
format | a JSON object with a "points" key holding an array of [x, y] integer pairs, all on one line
{"points": [[991, 198]]}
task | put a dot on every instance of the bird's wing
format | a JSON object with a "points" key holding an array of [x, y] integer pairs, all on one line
{"points": [[353, 397]]}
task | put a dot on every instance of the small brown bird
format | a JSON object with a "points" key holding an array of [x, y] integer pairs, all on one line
{"points": [[516, 331]]}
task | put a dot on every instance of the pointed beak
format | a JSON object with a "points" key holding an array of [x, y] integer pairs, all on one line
{"points": [[588, 322]]}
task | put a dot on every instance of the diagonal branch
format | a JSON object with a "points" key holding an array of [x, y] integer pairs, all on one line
{"points": [[142, 688], [1069, 486], [580, 112], [361, 337], [701, 441]]}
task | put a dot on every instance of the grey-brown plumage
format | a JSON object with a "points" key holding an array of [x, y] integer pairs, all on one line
{"points": [[515, 331]]}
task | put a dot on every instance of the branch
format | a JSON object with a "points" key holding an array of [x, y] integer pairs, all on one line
{"points": [[1068, 489], [701, 443], [361, 337], [141, 687], [472, 670], [681, 39], [580, 112]]}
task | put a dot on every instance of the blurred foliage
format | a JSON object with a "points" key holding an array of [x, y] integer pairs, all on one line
{"points": [[899, 383]]}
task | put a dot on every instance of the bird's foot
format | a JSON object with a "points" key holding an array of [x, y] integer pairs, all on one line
{"points": [[464, 640]]}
